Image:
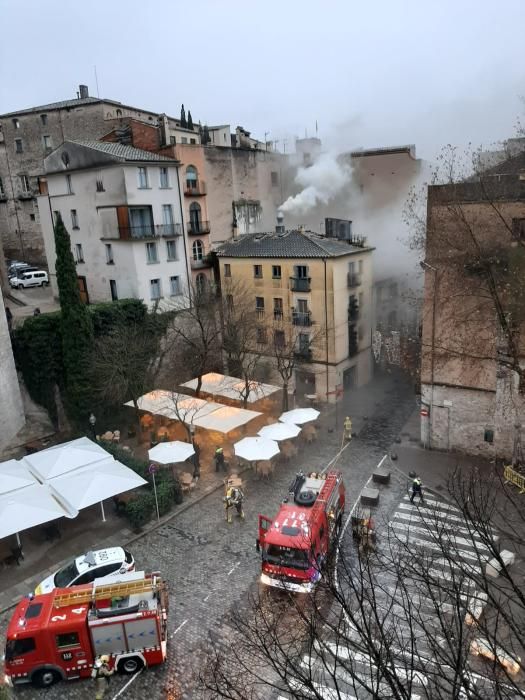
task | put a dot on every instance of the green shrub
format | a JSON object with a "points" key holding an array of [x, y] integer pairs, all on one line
{"points": [[140, 509], [165, 497], [139, 466]]}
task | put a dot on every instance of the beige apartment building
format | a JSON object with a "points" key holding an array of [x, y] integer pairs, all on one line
{"points": [[317, 287]]}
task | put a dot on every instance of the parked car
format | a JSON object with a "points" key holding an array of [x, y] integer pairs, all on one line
{"points": [[15, 265], [19, 271], [34, 278], [105, 564]]}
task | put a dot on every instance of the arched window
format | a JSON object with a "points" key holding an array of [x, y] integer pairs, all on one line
{"points": [[119, 113], [198, 250], [191, 177], [200, 282], [195, 217]]}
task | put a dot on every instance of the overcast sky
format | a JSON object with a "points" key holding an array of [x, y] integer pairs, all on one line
{"points": [[371, 73]]}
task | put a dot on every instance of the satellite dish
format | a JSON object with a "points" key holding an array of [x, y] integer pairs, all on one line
{"points": [[65, 158]]}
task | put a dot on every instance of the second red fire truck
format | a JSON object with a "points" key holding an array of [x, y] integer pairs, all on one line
{"points": [[296, 543], [58, 635]]}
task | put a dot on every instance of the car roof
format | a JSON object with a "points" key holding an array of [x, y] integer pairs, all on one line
{"points": [[99, 558]]}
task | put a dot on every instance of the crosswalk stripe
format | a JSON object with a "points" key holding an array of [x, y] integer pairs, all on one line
{"points": [[416, 518], [452, 539], [425, 544], [433, 516], [440, 505], [324, 691]]}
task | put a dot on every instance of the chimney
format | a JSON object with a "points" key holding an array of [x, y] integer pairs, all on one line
{"points": [[280, 223], [84, 91]]}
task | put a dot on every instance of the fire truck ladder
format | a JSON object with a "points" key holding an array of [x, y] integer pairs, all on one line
{"points": [[328, 495], [110, 590]]}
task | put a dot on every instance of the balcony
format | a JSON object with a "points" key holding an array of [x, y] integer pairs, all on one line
{"points": [[196, 228], [301, 318], [300, 284], [353, 345], [199, 263], [353, 313], [353, 280], [303, 354], [146, 232], [25, 195], [196, 189], [260, 314], [277, 314]]}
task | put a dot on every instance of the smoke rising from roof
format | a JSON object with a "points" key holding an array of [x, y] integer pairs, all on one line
{"points": [[321, 182]]}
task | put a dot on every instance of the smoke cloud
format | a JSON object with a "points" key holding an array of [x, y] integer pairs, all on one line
{"points": [[321, 182]]}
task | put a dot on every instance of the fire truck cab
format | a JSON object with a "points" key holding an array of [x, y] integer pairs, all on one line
{"points": [[58, 635], [296, 543]]}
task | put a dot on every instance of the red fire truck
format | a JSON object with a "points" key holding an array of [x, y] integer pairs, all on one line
{"points": [[58, 635], [296, 543]]}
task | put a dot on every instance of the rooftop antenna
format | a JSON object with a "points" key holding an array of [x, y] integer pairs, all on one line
{"points": [[266, 133], [316, 129], [96, 81]]}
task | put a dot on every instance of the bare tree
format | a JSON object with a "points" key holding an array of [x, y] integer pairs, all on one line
{"points": [[395, 622]]}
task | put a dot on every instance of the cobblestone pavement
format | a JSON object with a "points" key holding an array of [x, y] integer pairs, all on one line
{"points": [[211, 566]]}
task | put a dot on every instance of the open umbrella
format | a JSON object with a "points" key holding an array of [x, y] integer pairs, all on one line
{"points": [[168, 452], [59, 459], [254, 449], [280, 431], [299, 416], [14, 475], [28, 507]]}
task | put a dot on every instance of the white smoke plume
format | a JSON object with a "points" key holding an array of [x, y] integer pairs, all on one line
{"points": [[321, 182]]}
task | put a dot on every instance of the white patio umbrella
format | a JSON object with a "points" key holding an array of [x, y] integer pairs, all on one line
{"points": [[280, 431], [30, 506], [57, 460], [299, 416], [254, 449], [167, 452], [14, 475]]}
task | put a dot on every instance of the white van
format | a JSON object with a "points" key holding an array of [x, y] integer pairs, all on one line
{"points": [[34, 278]]}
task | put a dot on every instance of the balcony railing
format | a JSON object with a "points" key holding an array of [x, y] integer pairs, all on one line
{"points": [[195, 228], [304, 354], [196, 189], [198, 263], [259, 313], [25, 194], [277, 314], [148, 231], [353, 345], [353, 314], [301, 318], [353, 280], [300, 284]]}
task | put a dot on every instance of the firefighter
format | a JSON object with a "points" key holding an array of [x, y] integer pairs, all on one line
{"points": [[417, 490], [234, 498], [102, 675], [219, 460], [348, 428]]}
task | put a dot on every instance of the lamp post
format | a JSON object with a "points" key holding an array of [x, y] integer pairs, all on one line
{"points": [[431, 268], [92, 421]]}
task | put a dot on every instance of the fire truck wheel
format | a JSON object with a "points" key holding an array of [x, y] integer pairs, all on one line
{"points": [[130, 665], [45, 678]]}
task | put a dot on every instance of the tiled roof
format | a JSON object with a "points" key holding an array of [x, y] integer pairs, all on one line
{"points": [[290, 244], [58, 105], [121, 151]]}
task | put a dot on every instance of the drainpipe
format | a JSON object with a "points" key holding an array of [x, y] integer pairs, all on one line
{"points": [[326, 328], [426, 266], [188, 267]]}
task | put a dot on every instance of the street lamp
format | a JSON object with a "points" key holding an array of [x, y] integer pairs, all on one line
{"points": [[92, 421], [426, 266]]}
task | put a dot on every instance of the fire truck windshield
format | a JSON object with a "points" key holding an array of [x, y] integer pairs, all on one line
{"points": [[18, 647], [286, 556]]}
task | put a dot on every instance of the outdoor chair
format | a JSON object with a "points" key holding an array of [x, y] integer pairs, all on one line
{"points": [[288, 450], [116, 436], [265, 468]]}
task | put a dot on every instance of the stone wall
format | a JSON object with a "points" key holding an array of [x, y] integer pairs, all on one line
{"points": [[12, 417]]}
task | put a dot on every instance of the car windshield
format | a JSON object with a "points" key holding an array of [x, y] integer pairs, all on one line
{"points": [[286, 556], [66, 574]]}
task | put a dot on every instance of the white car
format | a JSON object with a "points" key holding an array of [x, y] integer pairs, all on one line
{"points": [[30, 278], [106, 564]]}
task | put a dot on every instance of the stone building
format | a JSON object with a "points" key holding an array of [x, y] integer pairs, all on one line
{"points": [[122, 208], [474, 313], [317, 287], [12, 417], [27, 136]]}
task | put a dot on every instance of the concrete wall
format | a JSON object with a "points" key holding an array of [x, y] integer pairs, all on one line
{"points": [[12, 417]]}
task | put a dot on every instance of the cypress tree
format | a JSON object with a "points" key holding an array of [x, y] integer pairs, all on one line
{"points": [[183, 122], [76, 329], [190, 121]]}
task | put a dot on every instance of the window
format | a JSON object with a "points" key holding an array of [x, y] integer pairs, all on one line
{"points": [[32, 217], [193, 141], [16, 123], [360, 266], [151, 253], [167, 220], [275, 178], [301, 271], [191, 177], [278, 339], [18, 146], [2, 191], [259, 303], [100, 185], [197, 250], [24, 181], [303, 342], [69, 185], [195, 218], [175, 286], [201, 282], [257, 271], [261, 336], [43, 119], [171, 250], [518, 229], [184, 139], [302, 306], [276, 272], [109, 254], [488, 435], [142, 175], [19, 647], [48, 142], [227, 270], [164, 178], [229, 302], [154, 286], [33, 611], [79, 253], [68, 639], [74, 218], [277, 308], [173, 140], [113, 290]]}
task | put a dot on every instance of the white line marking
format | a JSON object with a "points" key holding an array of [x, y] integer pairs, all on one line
{"points": [[435, 535], [432, 523], [233, 568], [205, 599], [436, 504], [133, 678], [180, 627], [425, 544]]}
